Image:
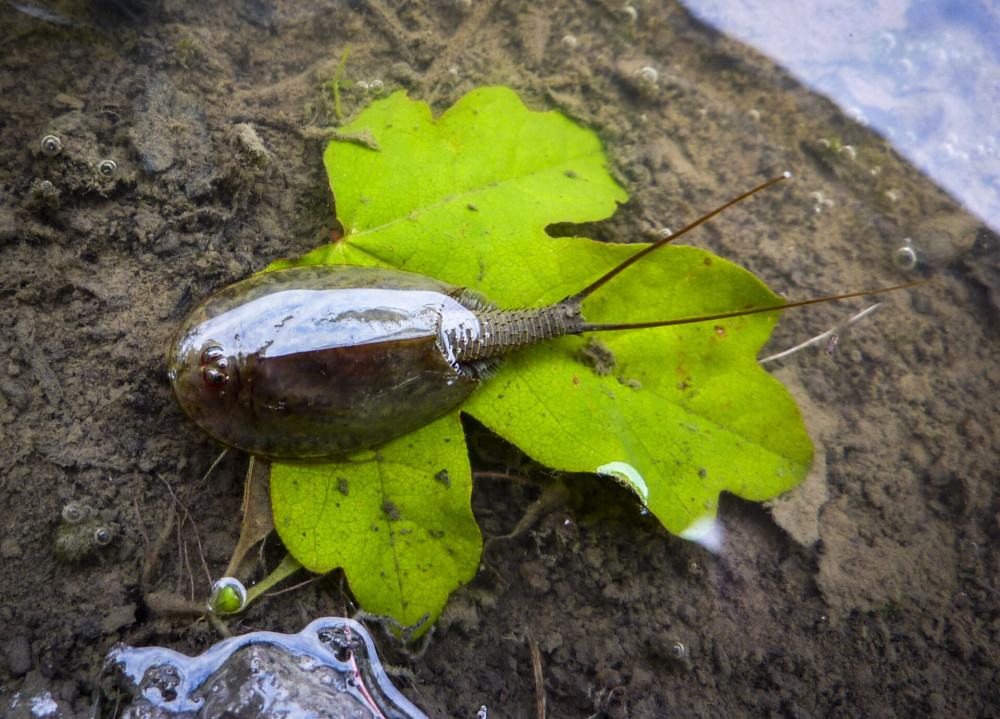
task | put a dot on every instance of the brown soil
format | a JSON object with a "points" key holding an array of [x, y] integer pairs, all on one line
{"points": [[874, 593]]}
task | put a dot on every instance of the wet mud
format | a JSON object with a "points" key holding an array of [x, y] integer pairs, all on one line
{"points": [[870, 592]]}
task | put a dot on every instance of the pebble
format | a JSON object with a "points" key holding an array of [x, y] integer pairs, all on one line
{"points": [[10, 549]]}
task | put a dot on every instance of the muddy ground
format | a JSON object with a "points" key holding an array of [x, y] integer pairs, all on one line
{"points": [[873, 594]]}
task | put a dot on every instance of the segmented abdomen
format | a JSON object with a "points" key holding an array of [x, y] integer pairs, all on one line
{"points": [[502, 331]]}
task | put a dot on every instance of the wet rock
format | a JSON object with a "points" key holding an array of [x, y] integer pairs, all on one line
{"points": [[329, 669]]}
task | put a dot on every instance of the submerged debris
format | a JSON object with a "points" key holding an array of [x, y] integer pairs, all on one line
{"points": [[597, 355], [329, 669]]}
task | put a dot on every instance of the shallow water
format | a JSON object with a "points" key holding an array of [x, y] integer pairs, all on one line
{"points": [[873, 593], [329, 669], [920, 72]]}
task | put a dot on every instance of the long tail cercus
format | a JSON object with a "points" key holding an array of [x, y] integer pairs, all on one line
{"points": [[574, 301]]}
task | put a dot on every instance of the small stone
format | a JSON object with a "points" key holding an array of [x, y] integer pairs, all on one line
{"points": [[10, 549]]}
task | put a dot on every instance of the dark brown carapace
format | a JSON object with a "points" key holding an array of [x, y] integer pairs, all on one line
{"points": [[312, 362]]}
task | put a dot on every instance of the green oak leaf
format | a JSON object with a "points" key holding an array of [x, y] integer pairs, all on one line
{"points": [[685, 413]]}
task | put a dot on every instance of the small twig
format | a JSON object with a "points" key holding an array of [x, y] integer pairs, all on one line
{"points": [[502, 476], [212, 468], [180, 556], [187, 563], [159, 543], [536, 663], [832, 332], [185, 518], [292, 588], [261, 561]]}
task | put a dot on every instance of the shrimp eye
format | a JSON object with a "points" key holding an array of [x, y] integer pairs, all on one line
{"points": [[211, 354], [214, 377]]}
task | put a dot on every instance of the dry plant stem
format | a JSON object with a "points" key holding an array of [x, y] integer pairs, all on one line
{"points": [[214, 465], [536, 662], [258, 522], [821, 337], [182, 549]]}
